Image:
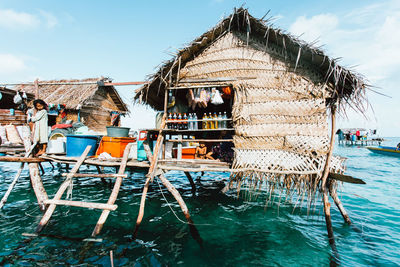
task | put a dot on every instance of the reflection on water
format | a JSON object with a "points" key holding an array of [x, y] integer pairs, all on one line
{"points": [[235, 231]]}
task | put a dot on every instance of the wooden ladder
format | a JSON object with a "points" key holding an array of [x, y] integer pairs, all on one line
{"points": [[106, 207]]}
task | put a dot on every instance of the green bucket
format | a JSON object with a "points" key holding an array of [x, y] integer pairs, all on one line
{"points": [[114, 131]]}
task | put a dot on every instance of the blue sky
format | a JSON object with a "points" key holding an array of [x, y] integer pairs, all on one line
{"points": [[126, 40]]}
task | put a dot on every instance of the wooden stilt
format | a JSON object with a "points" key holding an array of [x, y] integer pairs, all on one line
{"points": [[41, 168], [115, 191], [182, 204], [339, 205], [192, 184], [37, 185], [13, 183], [11, 187], [100, 172], [61, 190], [324, 186], [150, 175], [144, 193]]}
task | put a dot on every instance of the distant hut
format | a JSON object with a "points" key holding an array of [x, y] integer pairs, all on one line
{"points": [[88, 100], [284, 90]]}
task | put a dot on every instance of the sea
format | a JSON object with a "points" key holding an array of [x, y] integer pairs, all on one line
{"points": [[236, 229]]}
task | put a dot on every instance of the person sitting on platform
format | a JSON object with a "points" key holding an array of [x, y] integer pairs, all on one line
{"points": [[41, 126], [398, 146], [201, 152]]}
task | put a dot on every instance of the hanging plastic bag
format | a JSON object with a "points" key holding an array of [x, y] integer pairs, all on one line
{"points": [[17, 99], [216, 98], [203, 98]]}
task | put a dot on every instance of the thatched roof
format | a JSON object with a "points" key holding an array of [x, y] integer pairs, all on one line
{"points": [[348, 86], [72, 93]]}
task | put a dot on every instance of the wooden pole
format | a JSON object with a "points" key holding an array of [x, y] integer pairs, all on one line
{"points": [[14, 182], [182, 204], [61, 190], [191, 182], [115, 191], [36, 88], [327, 205], [11, 187], [144, 193], [339, 204]]}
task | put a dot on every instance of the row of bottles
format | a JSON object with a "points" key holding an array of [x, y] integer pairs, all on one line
{"points": [[177, 121], [214, 121]]}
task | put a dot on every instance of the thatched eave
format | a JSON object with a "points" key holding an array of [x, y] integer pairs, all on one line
{"points": [[348, 86]]}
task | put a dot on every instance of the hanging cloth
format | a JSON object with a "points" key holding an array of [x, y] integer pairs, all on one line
{"points": [[115, 117]]}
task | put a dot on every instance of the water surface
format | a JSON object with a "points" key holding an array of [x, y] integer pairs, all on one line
{"points": [[235, 231]]}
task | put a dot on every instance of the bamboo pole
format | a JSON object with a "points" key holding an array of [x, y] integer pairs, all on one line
{"points": [[144, 193], [114, 193], [150, 175], [61, 190], [327, 205], [14, 182], [339, 205], [182, 204], [192, 184]]}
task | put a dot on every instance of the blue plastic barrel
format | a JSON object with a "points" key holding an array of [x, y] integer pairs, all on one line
{"points": [[354, 137], [76, 144], [141, 153]]}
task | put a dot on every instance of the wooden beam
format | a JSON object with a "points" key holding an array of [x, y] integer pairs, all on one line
{"points": [[81, 204], [345, 178], [46, 217], [125, 83], [114, 193], [21, 159], [95, 175]]}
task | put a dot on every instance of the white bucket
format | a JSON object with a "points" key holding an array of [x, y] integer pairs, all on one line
{"points": [[56, 146]]}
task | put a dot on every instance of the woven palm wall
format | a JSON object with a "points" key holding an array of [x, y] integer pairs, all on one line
{"points": [[280, 114]]}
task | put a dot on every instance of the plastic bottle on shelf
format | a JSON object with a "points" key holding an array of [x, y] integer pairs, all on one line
{"points": [[174, 125], [169, 124], [210, 121], [216, 124], [225, 117], [190, 121], [185, 122], [195, 122], [179, 122], [204, 121], [220, 121]]}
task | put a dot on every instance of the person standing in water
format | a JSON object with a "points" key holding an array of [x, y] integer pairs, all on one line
{"points": [[41, 126]]}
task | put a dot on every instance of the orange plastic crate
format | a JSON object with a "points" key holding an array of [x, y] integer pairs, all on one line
{"points": [[114, 146], [187, 152]]}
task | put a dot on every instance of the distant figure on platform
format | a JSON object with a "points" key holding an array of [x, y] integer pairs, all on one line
{"points": [[398, 146], [201, 152], [41, 126]]}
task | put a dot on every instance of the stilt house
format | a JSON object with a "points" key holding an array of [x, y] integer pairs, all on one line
{"points": [[87, 100], [284, 90]]}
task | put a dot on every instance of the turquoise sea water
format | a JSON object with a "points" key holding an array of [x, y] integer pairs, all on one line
{"points": [[235, 231]]}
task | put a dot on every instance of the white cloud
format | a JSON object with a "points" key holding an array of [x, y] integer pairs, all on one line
{"points": [[369, 38], [11, 19], [313, 28], [10, 64], [14, 20], [50, 19]]}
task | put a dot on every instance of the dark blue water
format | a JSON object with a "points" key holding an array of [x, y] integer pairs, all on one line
{"points": [[235, 231]]}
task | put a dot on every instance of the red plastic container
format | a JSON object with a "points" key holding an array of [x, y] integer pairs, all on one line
{"points": [[114, 146]]}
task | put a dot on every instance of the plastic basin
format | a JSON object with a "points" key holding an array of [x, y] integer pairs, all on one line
{"points": [[115, 146], [114, 131], [76, 144]]}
